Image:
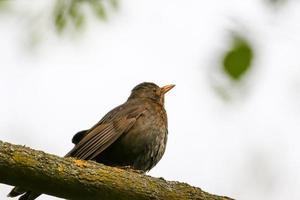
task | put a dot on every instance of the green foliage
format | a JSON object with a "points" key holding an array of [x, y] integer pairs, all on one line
{"points": [[67, 14], [238, 59], [4, 5], [98, 8], [60, 16], [114, 3], [71, 12]]}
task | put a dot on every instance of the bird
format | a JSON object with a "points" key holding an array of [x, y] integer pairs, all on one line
{"points": [[133, 135]]}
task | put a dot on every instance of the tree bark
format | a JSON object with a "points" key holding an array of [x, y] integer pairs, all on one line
{"points": [[70, 178]]}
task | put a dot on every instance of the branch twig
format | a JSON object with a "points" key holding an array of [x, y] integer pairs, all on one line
{"points": [[77, 179]]}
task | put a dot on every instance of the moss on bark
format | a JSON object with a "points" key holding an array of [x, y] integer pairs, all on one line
{"points": [[78, 179]]}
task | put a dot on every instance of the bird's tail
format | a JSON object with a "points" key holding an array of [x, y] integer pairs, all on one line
{"points": [[25, 195]]}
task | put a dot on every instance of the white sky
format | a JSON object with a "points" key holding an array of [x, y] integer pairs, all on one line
{"points": [[246, 149]]}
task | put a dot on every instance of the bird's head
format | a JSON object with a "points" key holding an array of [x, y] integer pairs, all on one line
{"points": [[150, 91]]}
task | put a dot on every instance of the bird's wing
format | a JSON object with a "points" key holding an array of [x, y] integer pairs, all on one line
{"points": [[102, 135], [78, 136]]}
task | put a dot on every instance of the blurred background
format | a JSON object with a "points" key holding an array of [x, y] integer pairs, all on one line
{"points": [[233, 115]]}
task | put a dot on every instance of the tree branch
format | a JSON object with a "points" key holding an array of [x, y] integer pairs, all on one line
{"points": [[77, 179]]}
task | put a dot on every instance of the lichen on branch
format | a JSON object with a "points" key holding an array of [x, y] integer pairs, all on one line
{"points": [[70, 178]]}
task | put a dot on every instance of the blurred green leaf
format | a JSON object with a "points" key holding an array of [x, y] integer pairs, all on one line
{"points": [[98, 8], [238, 59], [114, 3], [60, 22], [76, 14], [4, 5], [70, 12], [60, 19], [222, 92]]}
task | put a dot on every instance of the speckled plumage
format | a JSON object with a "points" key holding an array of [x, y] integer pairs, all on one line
{"points": [[132, 135]]}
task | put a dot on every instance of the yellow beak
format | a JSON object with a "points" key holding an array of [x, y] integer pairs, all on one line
{"points": [[166, 88]]}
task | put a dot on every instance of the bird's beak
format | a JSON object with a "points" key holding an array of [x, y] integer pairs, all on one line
{"points": [[166, 88]]}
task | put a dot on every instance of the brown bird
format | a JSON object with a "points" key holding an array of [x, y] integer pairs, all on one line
{"points": [[132, 135]]}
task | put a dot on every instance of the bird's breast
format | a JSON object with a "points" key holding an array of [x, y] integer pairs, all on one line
{"points": [[146, 140], [143, 145]]}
